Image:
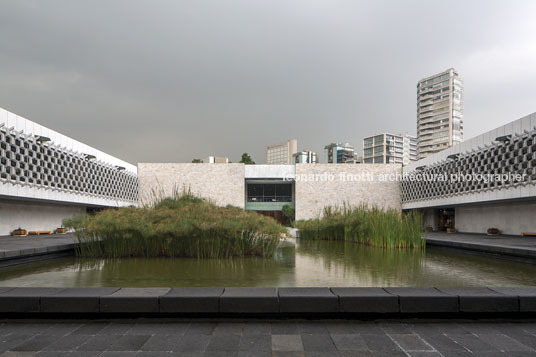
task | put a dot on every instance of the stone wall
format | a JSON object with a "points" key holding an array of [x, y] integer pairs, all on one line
{"points": [[320, 185], [223, 184]]}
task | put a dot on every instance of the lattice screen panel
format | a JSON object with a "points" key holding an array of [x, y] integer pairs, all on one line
{"points": [[516, 156], [25, 161]]}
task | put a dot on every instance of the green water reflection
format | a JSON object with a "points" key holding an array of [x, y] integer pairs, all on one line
{"points": [[310, 263]]}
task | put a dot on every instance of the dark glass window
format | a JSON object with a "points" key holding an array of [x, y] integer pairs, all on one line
{"points": [[269, 192]]}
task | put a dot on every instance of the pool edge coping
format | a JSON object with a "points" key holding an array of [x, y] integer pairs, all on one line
{"points": [[327, 302]]}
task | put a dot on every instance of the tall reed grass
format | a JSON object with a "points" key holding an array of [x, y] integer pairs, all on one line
{"points": [[372, 226], [182, 225]]}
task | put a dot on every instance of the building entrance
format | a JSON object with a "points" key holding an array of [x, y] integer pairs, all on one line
{"points": [[446, 219]]}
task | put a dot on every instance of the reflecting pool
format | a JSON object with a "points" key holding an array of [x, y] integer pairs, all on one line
{"points": [[309, 263]]}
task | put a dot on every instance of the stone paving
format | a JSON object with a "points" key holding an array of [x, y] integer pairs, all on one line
{"points": [[13, 246], [226, 337], [497, 244], [493, 240]]}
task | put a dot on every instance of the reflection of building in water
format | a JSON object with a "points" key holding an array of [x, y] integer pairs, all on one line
{"points": [[286, 256]]}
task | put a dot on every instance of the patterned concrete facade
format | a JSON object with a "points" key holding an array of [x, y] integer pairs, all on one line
{"points": [[513, 154], [321, 185], [223, 184], [46, 176]]}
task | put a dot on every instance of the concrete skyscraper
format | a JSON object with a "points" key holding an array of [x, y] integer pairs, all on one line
{"points": [[281, 154], [439, 112], [389, 149]]}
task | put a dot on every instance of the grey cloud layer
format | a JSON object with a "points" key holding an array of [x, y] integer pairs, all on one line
{"points": [[171, 80]]}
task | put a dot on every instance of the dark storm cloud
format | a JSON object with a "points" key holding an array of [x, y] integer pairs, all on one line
{"points": [[172, 80]]}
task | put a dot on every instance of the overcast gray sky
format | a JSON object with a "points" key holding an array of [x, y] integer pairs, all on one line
{"points": [[167, 81]]}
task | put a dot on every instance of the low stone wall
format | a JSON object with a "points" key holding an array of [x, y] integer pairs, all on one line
{"points": [[325, 301], [321, 185], [223, 184]]}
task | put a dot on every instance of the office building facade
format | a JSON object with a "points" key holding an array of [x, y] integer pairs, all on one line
{"points": [[281, 154], [339, 153], [389, 149], [439, 112], [305, 157]]}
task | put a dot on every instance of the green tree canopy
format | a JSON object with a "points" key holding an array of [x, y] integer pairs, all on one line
{"points": [[197, 161], [246, 159], [289, 213]]}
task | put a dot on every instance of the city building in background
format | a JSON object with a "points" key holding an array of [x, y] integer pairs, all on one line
{"points": [[355, 160], [410, 149], [281, 154], [339, 153], [389, 149], [439, 112], [216, 160], [305, 157]]}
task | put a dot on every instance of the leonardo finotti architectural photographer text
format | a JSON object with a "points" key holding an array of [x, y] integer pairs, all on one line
{"points": [[424, 177]]}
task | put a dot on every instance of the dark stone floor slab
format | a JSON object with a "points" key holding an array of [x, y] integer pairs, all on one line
{"points": [[424, 300], [224, 343], [474, 337], [249, 300], [129, 343], [318, 343], [75, 300], [479, 299], [191, 300], [34, 344], [307, 300], [98, 343], [514, 246], [254, 343], [366, 300], [67, 343], [133, 300], [526, 295], [24, 299]]}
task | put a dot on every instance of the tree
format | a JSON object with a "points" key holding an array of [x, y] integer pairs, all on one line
{"points": [[197, 161], [288, 212], [246, 159]]}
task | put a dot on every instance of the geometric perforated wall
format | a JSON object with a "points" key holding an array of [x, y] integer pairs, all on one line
{"points": [[516, 155], [26, 161]]}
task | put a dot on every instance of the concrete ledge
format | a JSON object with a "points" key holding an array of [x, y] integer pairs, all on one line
{"points": [[191, 300], [75, 300], [525, 294], [307, 300], [331, 302], [20, 250], [514, 248], [249, 300], [24, 300], [474, 299], [424, 300], [366, 300], [133, 300]]}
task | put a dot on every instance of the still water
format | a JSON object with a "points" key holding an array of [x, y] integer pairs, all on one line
{"points": [[310, 263]]}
